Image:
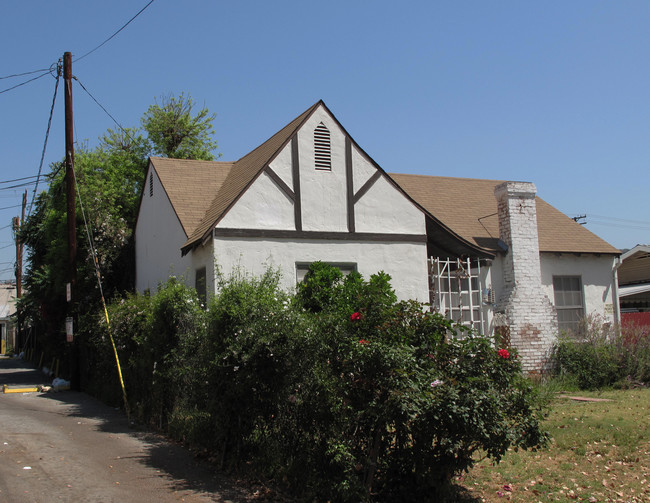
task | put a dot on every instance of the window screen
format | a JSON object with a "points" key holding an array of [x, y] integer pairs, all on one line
{"points": [[569, 302]]}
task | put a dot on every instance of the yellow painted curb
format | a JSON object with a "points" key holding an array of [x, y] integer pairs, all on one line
{"points": [[7, 389]]}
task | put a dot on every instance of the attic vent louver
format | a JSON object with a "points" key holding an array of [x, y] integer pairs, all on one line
{"points": [[150, 184], [322, 148]]}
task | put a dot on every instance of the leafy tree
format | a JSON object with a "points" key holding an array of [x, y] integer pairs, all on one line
{"points": [[109, 180], [175, 132]]}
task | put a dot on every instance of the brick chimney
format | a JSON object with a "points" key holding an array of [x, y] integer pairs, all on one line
{"points": [[524, 316]]}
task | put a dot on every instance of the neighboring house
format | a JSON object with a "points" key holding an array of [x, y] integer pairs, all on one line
{"points": [[487, 253], [7, 310], [634, 285]]}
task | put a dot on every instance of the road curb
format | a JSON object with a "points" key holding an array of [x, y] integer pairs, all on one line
{"points": [[30, 389]]}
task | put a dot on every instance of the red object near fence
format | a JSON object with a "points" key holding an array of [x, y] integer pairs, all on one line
{"points": [[629, 320]]}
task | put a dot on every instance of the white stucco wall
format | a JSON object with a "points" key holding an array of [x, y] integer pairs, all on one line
{"points": [[596, 274], [595, 271], [282, 165], [405, 262], [263, 206], [323, 193], [363, 169], [158, 240], [384, 209]]}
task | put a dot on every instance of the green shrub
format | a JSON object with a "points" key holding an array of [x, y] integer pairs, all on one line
{"points": [[147, 331], [390, 402], [600, 354], [341, 391], [591, 365]]}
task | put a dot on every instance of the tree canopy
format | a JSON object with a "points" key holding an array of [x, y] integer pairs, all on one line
{"points": [[175, 132], [110, 180]]}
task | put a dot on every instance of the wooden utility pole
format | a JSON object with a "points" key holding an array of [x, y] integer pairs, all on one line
{"points": [[69, 173], [19, 266], [72, 224], [18, 224]]}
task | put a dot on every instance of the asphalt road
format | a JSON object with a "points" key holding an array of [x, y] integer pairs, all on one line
{"points": [[69, 447]]}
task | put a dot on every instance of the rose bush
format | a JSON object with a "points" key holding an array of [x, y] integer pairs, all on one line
{"points": [[340, 391]]}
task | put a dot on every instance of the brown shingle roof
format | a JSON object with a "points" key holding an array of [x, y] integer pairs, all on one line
{"points": [[190, 185], [201, 192], [468, 207]]}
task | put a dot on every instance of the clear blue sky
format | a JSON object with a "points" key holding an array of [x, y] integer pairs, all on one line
{"points": [[555, 92]]}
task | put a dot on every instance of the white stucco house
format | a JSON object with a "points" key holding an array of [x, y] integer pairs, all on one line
{"points": [[487, 253]]}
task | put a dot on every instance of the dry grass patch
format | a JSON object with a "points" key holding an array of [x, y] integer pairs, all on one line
{"points": [[600, 452]]}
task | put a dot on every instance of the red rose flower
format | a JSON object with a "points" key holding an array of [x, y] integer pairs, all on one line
{"points": [[363, 341], [355, 316], [503, 353]]}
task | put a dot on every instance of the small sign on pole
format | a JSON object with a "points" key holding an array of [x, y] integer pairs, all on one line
{"points": [[69, 329], [68, 292]]}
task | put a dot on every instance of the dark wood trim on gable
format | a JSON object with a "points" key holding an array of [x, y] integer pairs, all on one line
{"points": [[318, 235], [366, 186], [349, 182], [280, 183], [295, 168]]}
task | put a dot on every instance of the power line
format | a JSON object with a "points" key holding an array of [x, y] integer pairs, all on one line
{"points": [[104, 109], [25, 184], [24, 73], [26, 82], [47, 135], [19, 179], [9, 207], [620, 225], [109, 38], [625, 220]]}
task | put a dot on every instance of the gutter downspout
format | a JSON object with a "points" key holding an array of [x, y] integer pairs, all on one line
{"points": [[615, 298]]}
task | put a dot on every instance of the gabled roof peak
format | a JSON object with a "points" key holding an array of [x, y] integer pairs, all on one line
{"points": [[244, 172]]}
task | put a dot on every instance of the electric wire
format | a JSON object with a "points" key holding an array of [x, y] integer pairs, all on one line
{"points": [[47, 135], [18, 179], [101, 291], [113, 35], [25, 184], [104, 109], [624, 220], [10, 207], [619, 225], [47, 72], [24, 73]]}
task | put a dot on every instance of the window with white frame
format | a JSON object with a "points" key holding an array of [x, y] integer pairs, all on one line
{"points": [[569, 302]]}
